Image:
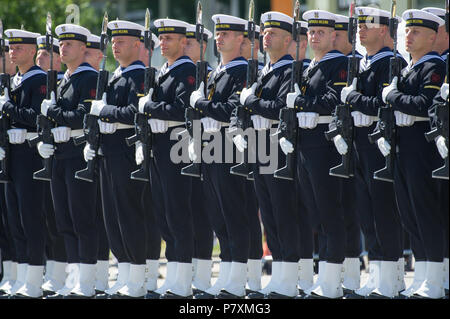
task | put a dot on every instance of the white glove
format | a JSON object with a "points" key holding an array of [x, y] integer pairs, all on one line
{"points": [[247, 92], [286, 146], [88, 153], [301, 119], [107, 128], [361, 120], [210, 125], [240, 142], [61, 134], [4, 98], [143, 100], [311, 119], [444, 91], [98, 105], [340, 144], [198, 94], [260, 123], [45, 150], [384, 146], [402, 119], [346, 91], [442, 147], [191, 150], [389, 89], [158, 126], [290, 99], [2, 153], [139, 155], [45, 105], [17, 135]]}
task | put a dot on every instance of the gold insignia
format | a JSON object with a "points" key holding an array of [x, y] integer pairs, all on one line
{"points": [[269, 16], [411, 15], [162, 23], [116, 25], [218, 20], [63, 29], [316, 15], [361, 12]]}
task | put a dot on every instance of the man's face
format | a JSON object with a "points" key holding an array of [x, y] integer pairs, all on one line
{"points": [[93, 57], [71, 50], [123, 47], [192, 49], [321, 38], [275, 39], [341, 43], [172, 44], [43, 59], [369, 33], [227, 40], [9, 65], [419, 39], [21, 53]]}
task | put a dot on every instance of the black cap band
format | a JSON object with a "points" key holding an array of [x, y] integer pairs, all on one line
{"points": [[22, 40], [278, 24], [43, 46], [72, 36], [93, 45], [321, 23], [163, 30], [126, 32], [417, 22], [230, 27], [191, 35], [373, 19], [339, 26]]}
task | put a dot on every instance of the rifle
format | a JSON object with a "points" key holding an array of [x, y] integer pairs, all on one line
{"points": [[43, 124], [288, 126], [5, 124], [342, 113], [143, 132], [442, 118], [386, 124], [191, 115], [240, 113], [91, 127]]}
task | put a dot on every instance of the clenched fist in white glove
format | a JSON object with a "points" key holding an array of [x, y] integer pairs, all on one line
{"points": [[291, 97], [340, 144], [4, 98], [98, 105], [46, 104], [384, 146], [240, 142], [389, 89], [88, 153], [286, 146], [402, 119], [198, 94], [61, 134], [158, 126], [441, 146], [246, 92], [361, 119], [139, 155], [45, 150], [2, 153], [17, 135], [143, 100], [444, 91], [107, 128], [347, 90]]}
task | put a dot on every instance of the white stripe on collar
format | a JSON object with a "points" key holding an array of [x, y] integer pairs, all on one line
{"points": [[80, 69], [230, 65], [18, 79], [118, 72], [366, 63], [269, 68], [166, 68], [422, 60]]}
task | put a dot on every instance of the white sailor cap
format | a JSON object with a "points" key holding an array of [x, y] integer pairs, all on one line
{"points": [[155, 40], [419, 18], [72, 32], [275, 19], [191, 30], [171, 26], [436, 11], [319, 18], [304, 26], [125, 28], [257, 30], [17, 36], [341, 22], [42, 43], [93, 41], [373, 15], [224, 22]]}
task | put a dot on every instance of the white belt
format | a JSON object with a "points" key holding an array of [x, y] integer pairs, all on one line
{"points": [[124, 126], [175, 123], [223, 124], [325, 119], [422, 119]]}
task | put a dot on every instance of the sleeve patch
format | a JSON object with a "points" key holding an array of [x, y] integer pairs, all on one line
{"points": [[43, 89], [92, 93], [343, 75], [435, 78], [191, 80]]}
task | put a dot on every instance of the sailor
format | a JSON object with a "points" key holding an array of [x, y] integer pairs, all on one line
{"points": [[24, 195]]}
